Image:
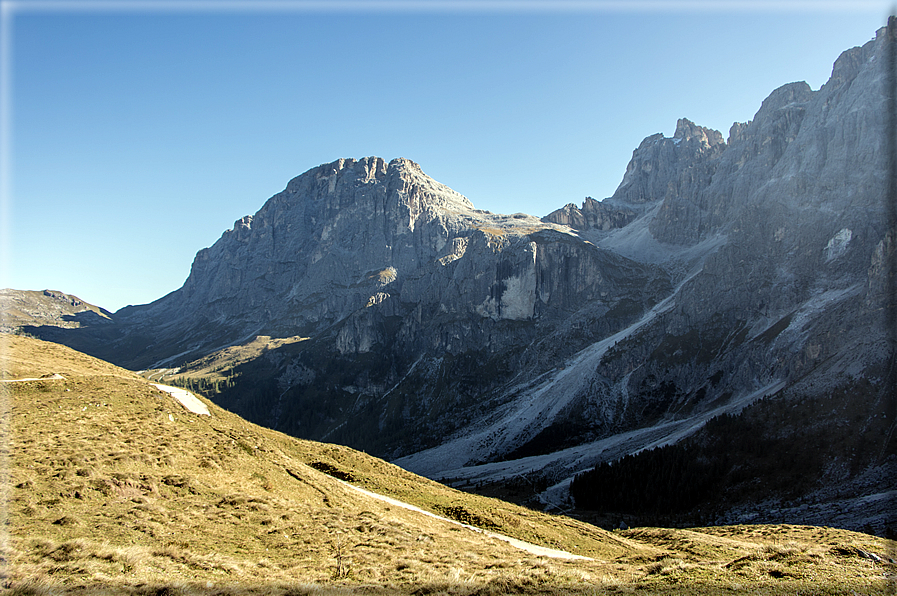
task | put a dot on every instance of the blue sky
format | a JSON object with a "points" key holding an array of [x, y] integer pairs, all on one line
{"points": [[135, 133]]}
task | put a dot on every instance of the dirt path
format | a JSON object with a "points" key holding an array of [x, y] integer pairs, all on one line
{"points": [[534, 549], [54, 376], [187, 399]]}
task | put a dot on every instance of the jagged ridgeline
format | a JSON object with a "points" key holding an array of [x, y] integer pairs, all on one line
{"points": [[368, 304]]}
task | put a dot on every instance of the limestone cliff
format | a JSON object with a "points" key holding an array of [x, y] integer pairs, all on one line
{"points": [[350, 244], [776, 242]]}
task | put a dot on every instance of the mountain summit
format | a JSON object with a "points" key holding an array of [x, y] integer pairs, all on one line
{"points": [[352, 245]]}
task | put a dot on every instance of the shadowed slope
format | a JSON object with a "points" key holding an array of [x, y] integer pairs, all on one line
{"points": [[113, 487]]}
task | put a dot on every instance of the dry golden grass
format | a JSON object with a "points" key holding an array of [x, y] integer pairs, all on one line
{"points": [[112, 487], [218, 365], [22, 357]]}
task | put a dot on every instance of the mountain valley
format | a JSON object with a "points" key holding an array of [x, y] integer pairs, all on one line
{"points": [[728, 314], [112, 487]]}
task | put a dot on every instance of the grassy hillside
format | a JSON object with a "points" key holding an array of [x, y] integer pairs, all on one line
{"points": [[112, 487], [25, 357]]}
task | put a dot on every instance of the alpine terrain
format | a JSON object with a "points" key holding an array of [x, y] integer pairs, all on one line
{"points": [[722, 327], [112, 487]]}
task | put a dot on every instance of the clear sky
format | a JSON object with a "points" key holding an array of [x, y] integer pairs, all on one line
{"points": [[135, 133]]}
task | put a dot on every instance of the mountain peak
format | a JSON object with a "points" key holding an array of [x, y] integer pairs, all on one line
{"points": [[404, 162], [687, 130]]}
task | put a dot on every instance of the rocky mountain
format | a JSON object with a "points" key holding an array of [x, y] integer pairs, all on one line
{"points": [[356, 246], [49, 308], [779, 244], [483, 348]]}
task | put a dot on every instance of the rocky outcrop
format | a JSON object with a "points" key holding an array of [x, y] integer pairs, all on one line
{"points": [[666, 169], [593, 215]]}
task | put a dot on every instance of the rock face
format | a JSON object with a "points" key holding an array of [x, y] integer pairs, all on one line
{"points": [[673, 171], [776, 243], [480, 347], [352, 244]]}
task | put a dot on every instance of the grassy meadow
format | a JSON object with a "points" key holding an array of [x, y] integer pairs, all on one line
{"points": [[112, 487]]}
